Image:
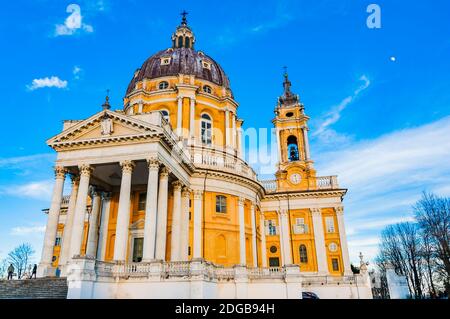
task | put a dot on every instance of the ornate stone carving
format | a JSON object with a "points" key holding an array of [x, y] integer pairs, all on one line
{"points": [[241, 201], [186, 192], [106, 125], [153, 163], [177, 186], [60, 172], [75, 179], [164, 173], [316, 211], [85, 170], [198, 194], [106, 196], [339, 210], [127, 166]]}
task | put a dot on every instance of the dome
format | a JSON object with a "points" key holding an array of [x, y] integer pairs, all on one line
{"points": [[180, 60]]}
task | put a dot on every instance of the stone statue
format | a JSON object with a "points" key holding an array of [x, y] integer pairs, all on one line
{"points": [[107, 125]]}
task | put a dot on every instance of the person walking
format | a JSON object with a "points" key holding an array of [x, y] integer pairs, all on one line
{"points": [[33, 273], [10, 272]]}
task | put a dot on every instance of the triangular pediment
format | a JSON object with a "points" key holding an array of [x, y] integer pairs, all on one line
{"points": [[104, 127]]}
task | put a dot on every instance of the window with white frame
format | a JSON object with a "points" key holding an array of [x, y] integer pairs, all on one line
{"points": [[206, 129], [271, 227], [329, 222], [165, 61], [221, 204], [207, 89], [163, 85], [300, 227]]}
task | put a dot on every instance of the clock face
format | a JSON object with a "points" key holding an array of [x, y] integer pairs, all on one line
{"points": [[295, 178]]}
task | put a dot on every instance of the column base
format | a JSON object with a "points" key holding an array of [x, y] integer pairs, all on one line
{"points": [[45, 270]]}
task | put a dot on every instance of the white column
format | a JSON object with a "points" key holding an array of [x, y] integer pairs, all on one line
{"points": [[227, 128], [52, 222], [198, 220], [233, 125], [103, 236], [80, 211], [262, 230], [192, 119], [184, 234], [319, 239], [67, 234], [242, 250], [91, 249], [161, 231], [305, 138], [140, 108], [343, 239], [280, 234], [180, 116], [286, 243], [176, 222], [239, 142], [253, 220], [123, 212], [151, 210], [279, 145]]}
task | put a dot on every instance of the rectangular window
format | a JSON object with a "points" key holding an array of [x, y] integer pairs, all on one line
{"points": [[271, 227], [329, 221], [335, 264], [58, 241], [221, 204], [138, 247], [300, 227], [142, 200], [274, 262]]}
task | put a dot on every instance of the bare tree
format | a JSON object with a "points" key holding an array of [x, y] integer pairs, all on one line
{"points": [[20, 257], [3, 267], [433, 216], [429, 258]]}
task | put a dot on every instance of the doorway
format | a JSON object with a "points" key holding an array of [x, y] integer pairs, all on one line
{"points": [[138, 247]]}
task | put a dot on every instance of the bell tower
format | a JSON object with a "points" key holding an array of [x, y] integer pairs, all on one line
{"points": [[295, 167]]}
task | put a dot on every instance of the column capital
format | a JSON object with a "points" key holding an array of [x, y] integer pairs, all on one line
{"points": [[106, 196], [94, 191], [339, 210], [60, 172], [153, 163], [198, 194], [127, 166], [283, 212], [186, 191], [316, 211], [164, 173], [241, 201], [75, 179], [177, 185], [85, 170]]}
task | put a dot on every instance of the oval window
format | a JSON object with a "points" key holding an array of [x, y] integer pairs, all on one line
{"points": [[163, 85], [273, 249], [289, 114], [207, 89]]}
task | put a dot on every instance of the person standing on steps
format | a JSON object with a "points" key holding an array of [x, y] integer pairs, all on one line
{"points": [[33, 273], [10, 272]]}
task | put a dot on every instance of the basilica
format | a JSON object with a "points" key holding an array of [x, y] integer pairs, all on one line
{"points": [[162, 203]]}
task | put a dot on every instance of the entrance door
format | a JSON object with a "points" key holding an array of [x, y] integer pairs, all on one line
{"points": [[274, 262], [138, 246]]}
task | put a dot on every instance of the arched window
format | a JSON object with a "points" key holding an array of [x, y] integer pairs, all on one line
{"points": [[221, 204], [292, 148], [180, 42], [163, 85], [165, 115], [303, 254], [206, 129], [187, 42], [207, 89]]}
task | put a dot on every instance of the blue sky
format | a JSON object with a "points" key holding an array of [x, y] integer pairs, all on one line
{"points": [[379, 99]]}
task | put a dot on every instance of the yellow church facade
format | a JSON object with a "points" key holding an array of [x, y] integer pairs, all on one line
{"points": [[162, 197]]}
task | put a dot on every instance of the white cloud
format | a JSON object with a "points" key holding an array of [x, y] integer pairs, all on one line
{"points": [[53, 81], [76, 72], [73, 22], [386, 175], [27, 230], [323, 130], [40, 190]]}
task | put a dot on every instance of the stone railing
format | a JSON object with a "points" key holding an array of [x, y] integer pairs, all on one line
{"points": [[268, 272], [322, 182], [326, 280]]}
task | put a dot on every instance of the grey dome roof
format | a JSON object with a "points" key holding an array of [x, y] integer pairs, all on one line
{"points": [[184, 61]]}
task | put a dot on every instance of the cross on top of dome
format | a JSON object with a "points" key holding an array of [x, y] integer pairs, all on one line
{"points": [[184, 20], [183, 36]]}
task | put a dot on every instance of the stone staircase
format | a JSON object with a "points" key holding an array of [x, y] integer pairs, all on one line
{"points": [[41, 288]]}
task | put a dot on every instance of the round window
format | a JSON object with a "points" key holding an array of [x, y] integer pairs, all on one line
{"points": [[333, 247], [273, 249], [289, 114]]}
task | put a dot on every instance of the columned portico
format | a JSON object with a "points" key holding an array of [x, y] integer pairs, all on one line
{"points": [[343, 239], [52, 223], [319, 239], [242, 248], [80, 210], [123, 213], [161, 230], [67, 234], [151, 210], [176, 222], [91, 249]]}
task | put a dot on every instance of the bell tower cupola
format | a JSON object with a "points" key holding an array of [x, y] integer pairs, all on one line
{"points": [[183, 37], [295, 167]]}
